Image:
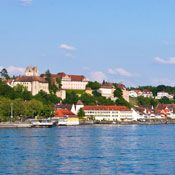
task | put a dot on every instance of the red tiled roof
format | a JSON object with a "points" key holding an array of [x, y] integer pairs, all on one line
{"points": [[107, 108], [147, 91], [163, 106], [107, 85], [30, 79], [137, 91], [64, 113], [121, 86], [62, 74]]}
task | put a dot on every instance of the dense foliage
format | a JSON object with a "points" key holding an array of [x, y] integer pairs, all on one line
{"points": [[95, 99], [93, 85], [81, 113], [24, 104]]}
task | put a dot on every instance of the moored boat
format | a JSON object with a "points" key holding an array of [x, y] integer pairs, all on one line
{"points": [[42, 123]]}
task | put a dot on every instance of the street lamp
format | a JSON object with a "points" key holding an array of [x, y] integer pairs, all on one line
{"points": [[11, 110]]}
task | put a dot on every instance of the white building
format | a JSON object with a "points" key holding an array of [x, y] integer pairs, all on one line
{"points": [[32, 81], [109, 113], [147, 93], [77, 82], [107, 90], [133, 93], [163, 94]]}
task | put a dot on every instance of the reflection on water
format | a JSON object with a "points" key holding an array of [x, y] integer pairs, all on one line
{"points": [[88, 150]]}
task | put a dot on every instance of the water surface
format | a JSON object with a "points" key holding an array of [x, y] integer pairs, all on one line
{"points": [[88, 150]]}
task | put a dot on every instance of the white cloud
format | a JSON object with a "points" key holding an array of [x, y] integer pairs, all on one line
{"points": [[170, 60], [98, 76], [12, 70], [15, 70], [25, 2], [120, 71], [67, 47]]}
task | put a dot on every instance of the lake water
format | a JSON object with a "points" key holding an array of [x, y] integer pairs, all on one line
{"points": [[88, 150]]}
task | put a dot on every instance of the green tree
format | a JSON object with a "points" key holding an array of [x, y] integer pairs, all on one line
{"points": [[22, 92], [47, 98], [81, 113], [93, 85], [47, 111], [33, 108], [118, 93], [4, 73], [18, 108], [122, 102], [7, 91], [71, 98], [58, 83], [96, 93], [154, 102], [165, 100], [143, 100], [88, 99], [5, 107]]}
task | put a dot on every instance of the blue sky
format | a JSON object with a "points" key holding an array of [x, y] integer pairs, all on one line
{"points": [[129, 41]]}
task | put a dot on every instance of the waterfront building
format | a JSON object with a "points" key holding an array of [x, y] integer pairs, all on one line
{"points": [[73, 108], [170, 112], [66, 117], [109, 113]]}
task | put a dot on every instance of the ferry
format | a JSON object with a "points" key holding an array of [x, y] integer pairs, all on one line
{"points": [[42, 123]]}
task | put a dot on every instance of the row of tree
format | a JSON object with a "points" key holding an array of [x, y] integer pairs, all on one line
{"points": [[153, 102], [96, 99], [24, 104], [23, 109]]}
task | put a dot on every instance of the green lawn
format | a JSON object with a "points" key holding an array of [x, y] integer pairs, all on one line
{"points": [[76, 91], [133, 101]]}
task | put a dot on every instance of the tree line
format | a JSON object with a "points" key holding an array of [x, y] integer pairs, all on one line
{"points": [[24, 104]]}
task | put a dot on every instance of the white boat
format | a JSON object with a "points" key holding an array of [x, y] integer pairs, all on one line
{"points": [[42, 123]]}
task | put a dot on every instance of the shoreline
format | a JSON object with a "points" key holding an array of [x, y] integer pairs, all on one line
{"points": [[149, 122]]}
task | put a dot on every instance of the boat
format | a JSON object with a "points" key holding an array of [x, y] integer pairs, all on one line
{"points": [[38, 123]]}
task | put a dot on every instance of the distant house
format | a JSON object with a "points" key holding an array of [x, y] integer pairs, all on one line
{"points": [[107, 90], [88, 90], [171, 109], [125, 92], [135, 93], [164, 94], [147, 93], [76, 82], [66, 117]]}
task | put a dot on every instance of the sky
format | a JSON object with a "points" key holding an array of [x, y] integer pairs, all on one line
{"points": [[128, 41]]}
